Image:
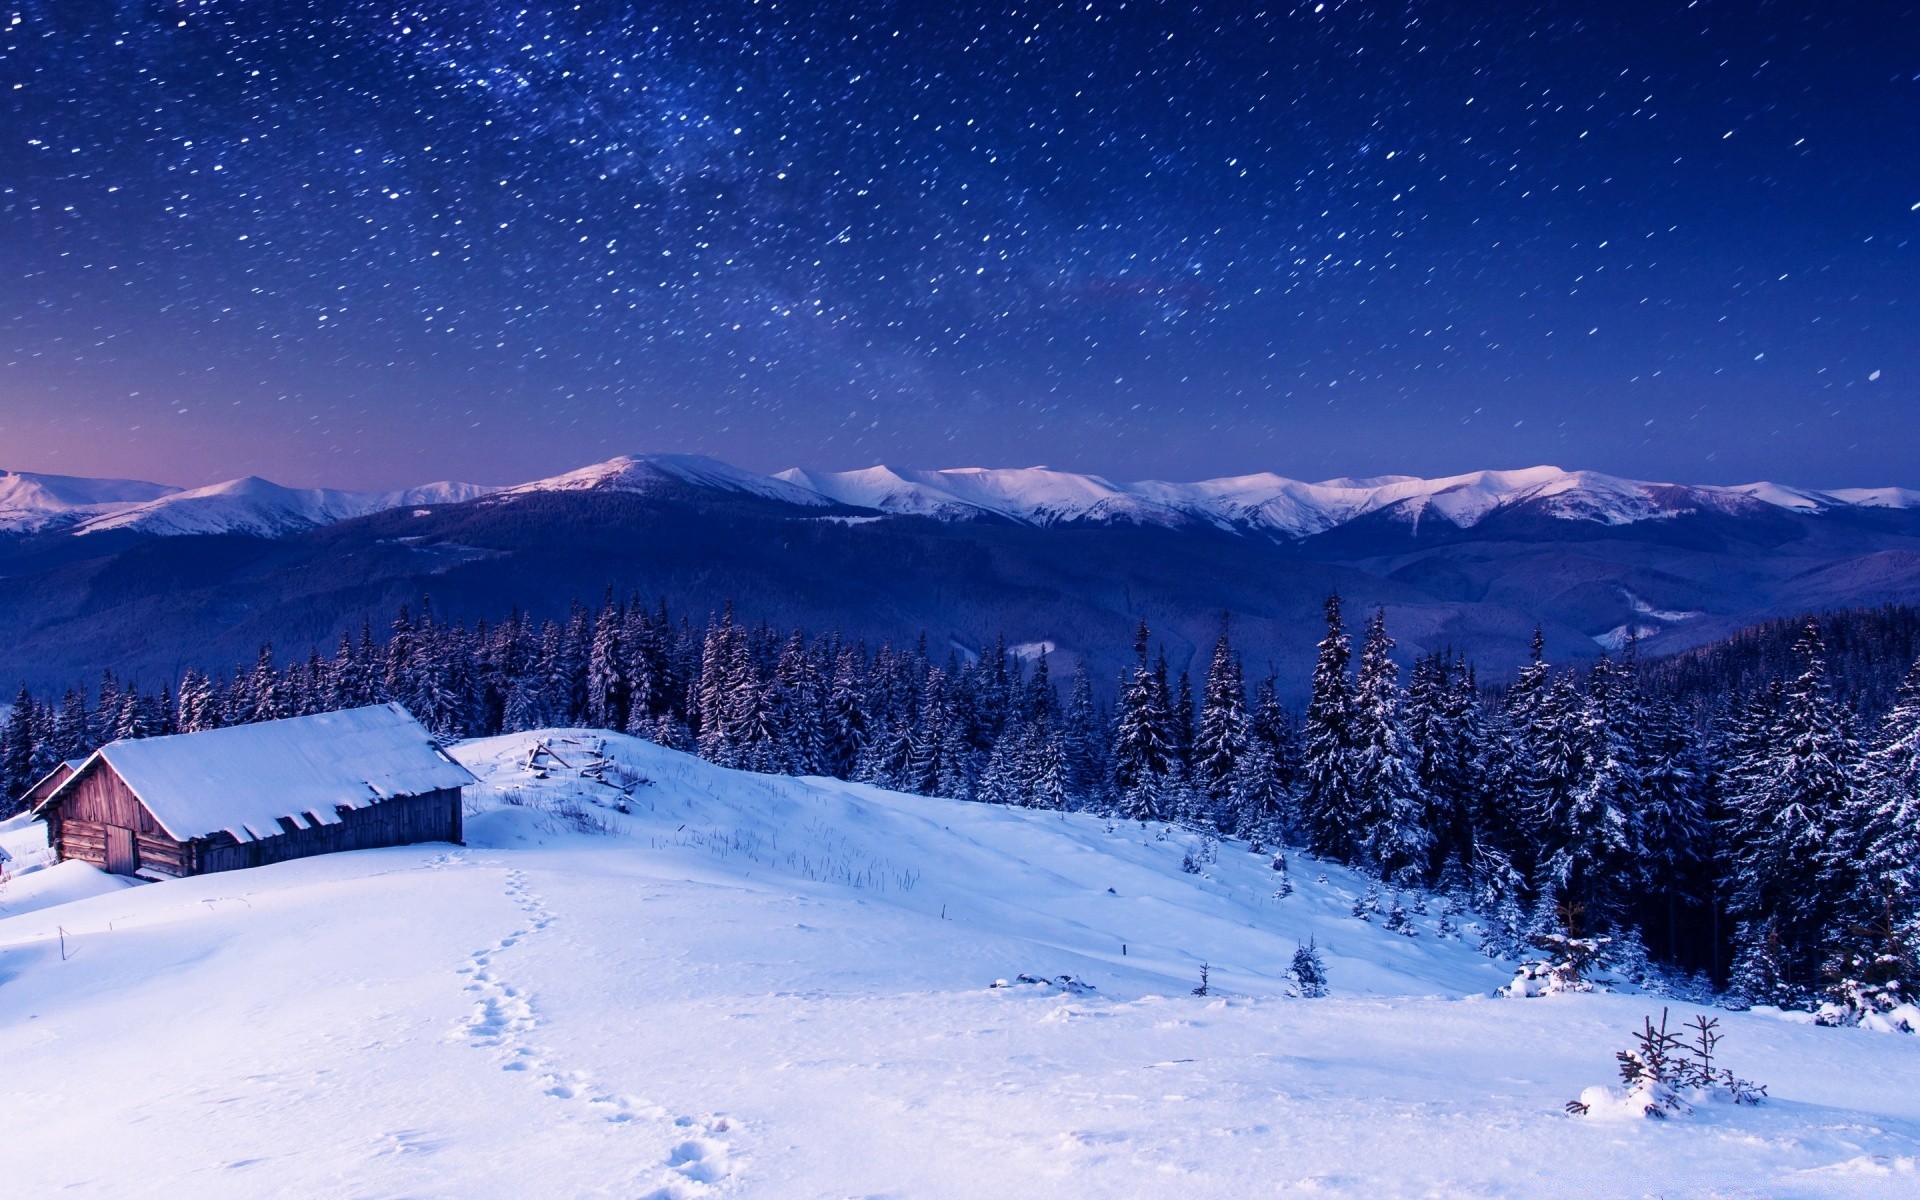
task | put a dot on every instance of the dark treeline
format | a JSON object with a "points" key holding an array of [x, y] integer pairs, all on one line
{"points": [[1868, 652], [1761, 832]]}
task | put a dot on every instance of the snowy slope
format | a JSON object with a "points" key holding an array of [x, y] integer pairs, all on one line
{"points": [[29, 502], [265, 509], [779, 988]]}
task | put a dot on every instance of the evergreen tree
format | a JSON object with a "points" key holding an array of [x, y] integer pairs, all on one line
{"points": [[1220, 746], [1389, 807], [1143, 750], [1791, 803], [1881, 846], [1329, 801]]}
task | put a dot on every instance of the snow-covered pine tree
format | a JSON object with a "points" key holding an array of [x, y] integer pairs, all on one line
{"points": [[1791, 806], [1329, 806], [846, 727], [1083, 744], [70, 728], [1308, 972], [1143, 753], [1881, 837], [1672, 831], [607, 690], [799, 706], [17, 749], [1389, 806], [1589, 835], [1220, 745], [1180, 705]]}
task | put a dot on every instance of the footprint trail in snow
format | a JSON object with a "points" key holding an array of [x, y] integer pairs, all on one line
{"points": [[504, 1019]]}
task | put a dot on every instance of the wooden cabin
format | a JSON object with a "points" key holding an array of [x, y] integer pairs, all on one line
{"points": [[47, 784], [247, 795]]}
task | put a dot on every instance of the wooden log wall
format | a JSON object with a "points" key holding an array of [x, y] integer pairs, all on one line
{"points": [[77, 825], [431, 817]]}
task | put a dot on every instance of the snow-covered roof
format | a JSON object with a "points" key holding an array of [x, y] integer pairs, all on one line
{"points": [[244, 778]]}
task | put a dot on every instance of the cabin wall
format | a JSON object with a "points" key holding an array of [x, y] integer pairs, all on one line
{"points": [[77, 826], [47, 786], [429, 817]]}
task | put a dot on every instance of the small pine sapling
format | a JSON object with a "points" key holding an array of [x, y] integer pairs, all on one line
{"points": [[1663, 1071], [1398, 921], [1204, 988], [1368, 903], [1308, 972]]}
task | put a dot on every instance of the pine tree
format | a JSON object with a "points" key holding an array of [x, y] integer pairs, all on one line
{"points": [[607, 688], [70, 737], [1590, 836], [1143, 751], [17, 749], [1308, 972], [1792, 804], [1389, 807], [1082, 743], [1329, 804], [1881, 842], [1672, 829], [1220, 746]]}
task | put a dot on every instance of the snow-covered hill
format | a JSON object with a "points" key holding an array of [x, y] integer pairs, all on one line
{"points": [[265, 509], [29, 502], [763, 987], [1264, 503]]}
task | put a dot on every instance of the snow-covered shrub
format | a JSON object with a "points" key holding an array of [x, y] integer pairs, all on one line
{"points": [[1308, 973], [1367, 905], [1397, 921], [1666, 1074], [1566, 968], [1869, 992]]}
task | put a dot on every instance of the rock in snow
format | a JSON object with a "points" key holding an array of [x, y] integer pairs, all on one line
{"points": [[648, 976]]}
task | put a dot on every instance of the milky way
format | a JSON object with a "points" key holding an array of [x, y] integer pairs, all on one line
{"points": [[360, 241]]}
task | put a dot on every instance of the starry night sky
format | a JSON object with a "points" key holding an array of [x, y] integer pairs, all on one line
{"points": [[369, 245]]}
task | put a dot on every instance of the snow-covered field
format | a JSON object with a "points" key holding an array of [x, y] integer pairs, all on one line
{"points": [[763, 987]]}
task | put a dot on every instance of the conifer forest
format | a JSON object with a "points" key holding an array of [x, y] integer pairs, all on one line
{"points": [[1742, 819]]}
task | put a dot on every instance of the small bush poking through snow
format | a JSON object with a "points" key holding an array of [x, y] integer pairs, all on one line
{"points": [[1667, 1074]]}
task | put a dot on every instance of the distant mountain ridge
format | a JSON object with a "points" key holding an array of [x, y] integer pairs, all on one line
{"points": [[146, 579], [1261, 504]]}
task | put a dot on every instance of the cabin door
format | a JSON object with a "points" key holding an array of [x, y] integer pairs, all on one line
{"points": [[123, 854]]}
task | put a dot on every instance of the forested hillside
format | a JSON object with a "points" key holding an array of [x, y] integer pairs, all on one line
{"points": [[1747, 814]]}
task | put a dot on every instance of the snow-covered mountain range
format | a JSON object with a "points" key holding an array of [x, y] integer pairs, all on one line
{"points": [[1266, 504], [32, 503]]}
